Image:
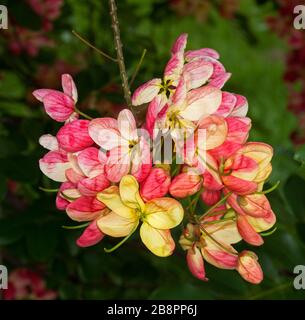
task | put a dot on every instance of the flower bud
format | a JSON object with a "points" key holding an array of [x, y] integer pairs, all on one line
{"points": [[185, 184], [156, 184], [249, 268], [195, 263]]}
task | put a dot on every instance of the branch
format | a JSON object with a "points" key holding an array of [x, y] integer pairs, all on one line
{"points": [[137, 67], [120, 57], [93, 47]]}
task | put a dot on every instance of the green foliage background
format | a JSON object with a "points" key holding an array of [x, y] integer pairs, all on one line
{"points": [[30, 226]]}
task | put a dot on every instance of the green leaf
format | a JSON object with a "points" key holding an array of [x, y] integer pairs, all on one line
{"points": [[15, 109], [11, 86]]}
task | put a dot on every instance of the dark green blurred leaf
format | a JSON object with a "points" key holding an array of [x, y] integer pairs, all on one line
{"points": [[42, 241]]}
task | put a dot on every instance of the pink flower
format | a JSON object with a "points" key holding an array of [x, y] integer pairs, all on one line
{"points": [[26, 284], [59, 105], [246, 170], [127, 150], [163, 87]]}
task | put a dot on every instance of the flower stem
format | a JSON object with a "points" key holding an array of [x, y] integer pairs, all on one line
{"points": [[120, 57], [121, 242], [77, 226], [137, 67], [48, 190], [93, 47], [82, 114], [218, 221], [218, 243], [217, 204], [270, 189]]}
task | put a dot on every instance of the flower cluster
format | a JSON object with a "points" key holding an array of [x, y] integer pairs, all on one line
{"points": [[114, 180], [25, 284]]}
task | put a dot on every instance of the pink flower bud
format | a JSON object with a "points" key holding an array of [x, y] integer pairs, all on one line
{"points": [[249, 268], [247, 232], [156, 184], [195, 263], [74, 136], [185, 184], [91, 236]]}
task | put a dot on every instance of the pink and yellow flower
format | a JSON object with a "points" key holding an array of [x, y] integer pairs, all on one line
{"points": [[158, 216]]}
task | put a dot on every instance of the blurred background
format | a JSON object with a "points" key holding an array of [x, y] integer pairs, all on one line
{"points": [[266, 56]]}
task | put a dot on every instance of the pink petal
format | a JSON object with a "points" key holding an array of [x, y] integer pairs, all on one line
{"points": [[85, 209], [91, 161], [185, 184], [201, 102], [210, 197], [49, 142], [238, 129], [201, 53], [197, 73], [118, 163], [141, 160], [195, 263], [127, 125], [74, 176], [247, 232], [91, 236], [156, 185], [69, 87], [74, 136], [61, 202], [180, 44], [54, 164], [153, 110], [220, 258], [146, 92], [227, 104], [174, 67], [58, 106], [241, 107], [239, 186], [91, 186], [105, 132], [41, 93], [220, 80], [179, 97]]}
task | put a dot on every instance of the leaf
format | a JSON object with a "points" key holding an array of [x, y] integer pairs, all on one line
{"points": [[11, 86], [16, 109]]}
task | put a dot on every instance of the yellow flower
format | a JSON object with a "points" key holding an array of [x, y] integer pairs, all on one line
{"points": [[128, 209]]}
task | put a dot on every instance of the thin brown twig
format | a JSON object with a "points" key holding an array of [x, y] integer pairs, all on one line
{"points": [[137, 67], [93, 47], [120, 57]]}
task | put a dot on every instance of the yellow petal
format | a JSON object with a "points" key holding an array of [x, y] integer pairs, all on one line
{"points": [[129, 192], [159, 242], [225, 232], [262, 224], [111, 198], [116, 226], [163, 213]]}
